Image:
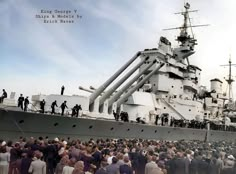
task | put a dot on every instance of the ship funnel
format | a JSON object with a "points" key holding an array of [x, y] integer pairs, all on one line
{"points": [[98, 91], [124, 88], [121, 81], [138, 85]]}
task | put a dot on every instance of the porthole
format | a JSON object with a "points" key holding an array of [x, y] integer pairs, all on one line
{"points": [[74, 125], [90, 127]]}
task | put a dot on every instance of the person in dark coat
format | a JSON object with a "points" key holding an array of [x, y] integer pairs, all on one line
{"points": [[162, 120], [125, 168], [102, 169], [133, 155], [213, 167], [178, 165], [97, 156], [75, 110], [113, 168], [54, 104], [26, 103], [15, 154], [203, 166], [20, 101], [50, 153], [62, 89], [4, 95], [193, 168], [156, 119], [141, 162], [115, 115], [63, 106], [78, 107], [42, 104], [25, 163], [166, 120]]}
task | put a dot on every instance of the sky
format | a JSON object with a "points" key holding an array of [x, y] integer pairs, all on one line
{"points": [[38, 57]]}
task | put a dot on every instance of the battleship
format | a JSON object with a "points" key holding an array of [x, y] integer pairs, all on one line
{"points": [[158, 81]]}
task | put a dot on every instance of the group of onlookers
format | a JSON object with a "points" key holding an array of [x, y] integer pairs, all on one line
{"points": [[116, 156]]}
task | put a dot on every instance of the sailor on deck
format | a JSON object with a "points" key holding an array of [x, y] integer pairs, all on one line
{"points": [[154, 116], [4, 95], [63, 106], [53, 106], [75, 110], [62, 89], [26, 103], [20, 101], [42, 104]]}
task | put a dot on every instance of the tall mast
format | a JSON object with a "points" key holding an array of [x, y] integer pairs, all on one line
{"points": [[187, 41], [230, 80]]}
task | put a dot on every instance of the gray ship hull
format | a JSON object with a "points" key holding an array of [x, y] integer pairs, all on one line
{"points": [[14, 124]]}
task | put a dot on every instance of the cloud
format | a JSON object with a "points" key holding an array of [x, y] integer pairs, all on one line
{"points": [[49, 43]]}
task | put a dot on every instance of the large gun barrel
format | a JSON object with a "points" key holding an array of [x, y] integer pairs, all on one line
{"points": [[132, 90], [93, 88], [84, 89], [125, 77], [124, 88], [111, 79]]}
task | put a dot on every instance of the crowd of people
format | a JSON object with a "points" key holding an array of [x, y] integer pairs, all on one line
{"points": [[116, 156]]}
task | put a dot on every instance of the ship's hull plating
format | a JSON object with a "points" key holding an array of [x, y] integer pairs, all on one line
{"points": [[14, 124]]}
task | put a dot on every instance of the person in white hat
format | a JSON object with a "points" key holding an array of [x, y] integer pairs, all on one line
{"points": [[56, 139], [229, 162], [3, 143]]}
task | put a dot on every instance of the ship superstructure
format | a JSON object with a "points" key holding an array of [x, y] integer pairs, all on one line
{"points": [[163, 81]]}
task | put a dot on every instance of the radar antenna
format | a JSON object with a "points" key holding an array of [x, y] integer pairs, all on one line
{"points": [[230, 80], [183, 37], [187, 42]]}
